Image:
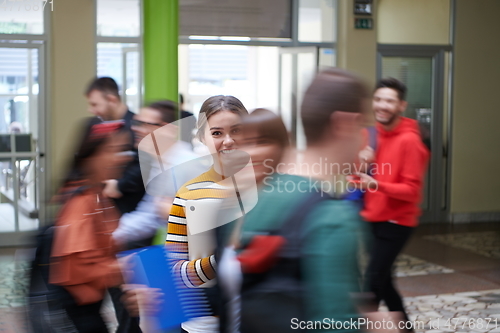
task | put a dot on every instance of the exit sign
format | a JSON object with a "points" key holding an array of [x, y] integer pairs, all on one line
{"points": [[363, 23]]}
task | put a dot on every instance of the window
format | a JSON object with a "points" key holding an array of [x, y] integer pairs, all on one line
{"points": [[119, 47], [21, 17], [249, 73], [118, 18], [121, 62], [316, 21]]}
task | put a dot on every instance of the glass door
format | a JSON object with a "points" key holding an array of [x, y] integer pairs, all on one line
{"points": [[21, 124], [298, 65], [422, 70], [131, 73], [121, 61]]}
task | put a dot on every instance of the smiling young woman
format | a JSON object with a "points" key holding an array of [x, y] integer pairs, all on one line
{"points": [[192, 256]]}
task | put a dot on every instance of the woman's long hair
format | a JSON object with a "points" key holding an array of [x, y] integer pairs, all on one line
{"points": [[96, 134]]}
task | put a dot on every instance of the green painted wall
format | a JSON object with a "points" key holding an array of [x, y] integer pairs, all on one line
{"points": [[160, 42]]}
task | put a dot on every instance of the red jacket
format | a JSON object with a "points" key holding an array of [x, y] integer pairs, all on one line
{"points": [[83, 254], [400, 165]]}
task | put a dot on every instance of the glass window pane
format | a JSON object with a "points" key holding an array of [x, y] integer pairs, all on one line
{"points": [[249, 73], [266, 80], [26, 175], [21, 17], [110, 57], [416, 74], [13, 70], [118, 18], [19, 128], [33, 95], [316, 21], [327, 58], [19, 90], [306, 69], [7, 213], [218, 70], [110, 61], [132, 84], [286, 89]]}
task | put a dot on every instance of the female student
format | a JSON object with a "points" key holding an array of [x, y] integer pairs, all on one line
{"points": [[192, 255], [83, 254]]}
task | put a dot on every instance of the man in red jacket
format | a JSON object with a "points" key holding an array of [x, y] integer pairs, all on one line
{"points": [[394, 192]]}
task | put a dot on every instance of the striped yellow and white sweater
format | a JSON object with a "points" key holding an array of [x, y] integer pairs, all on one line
{"points": [[191, 270]]}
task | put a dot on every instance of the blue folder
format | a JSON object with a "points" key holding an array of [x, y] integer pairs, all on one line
{"points": [[150, 267]]}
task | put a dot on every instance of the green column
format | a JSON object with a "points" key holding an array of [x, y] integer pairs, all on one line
{"points": [[160, 42]]}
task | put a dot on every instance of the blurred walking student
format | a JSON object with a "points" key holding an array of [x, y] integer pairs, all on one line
{"points": [[152, 212], [125, 190], [105, 103], [366, 156], [298, 247], [394, 194], [188, 125], [83, 254], [265, 139]]}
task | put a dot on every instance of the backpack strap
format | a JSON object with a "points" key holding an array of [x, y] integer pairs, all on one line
{"points": [[292, 228], [286, 274], [372, 137]]}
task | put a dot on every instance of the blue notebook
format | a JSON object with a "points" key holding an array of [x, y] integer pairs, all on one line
{"points": [[150, 267]]}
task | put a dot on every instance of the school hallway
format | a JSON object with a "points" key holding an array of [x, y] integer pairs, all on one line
{"points": [[446, 271], [452, 271]]}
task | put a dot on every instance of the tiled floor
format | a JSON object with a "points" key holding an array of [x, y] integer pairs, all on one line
{"points": [[450, 280], [13, 288], [466, 298], [486, 243], [460, 312], [407, 265], [13, 284]]}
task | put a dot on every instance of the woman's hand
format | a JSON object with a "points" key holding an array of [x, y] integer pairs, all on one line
{"points": [[111, 189], [141, 300]]}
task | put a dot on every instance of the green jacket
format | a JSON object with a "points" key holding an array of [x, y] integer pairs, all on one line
{"points": [[330, 252]]}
